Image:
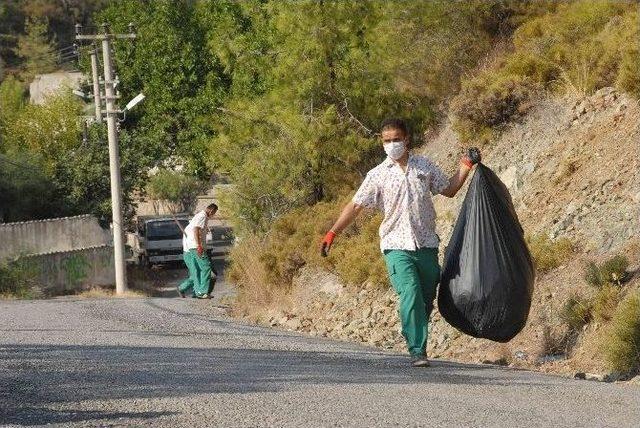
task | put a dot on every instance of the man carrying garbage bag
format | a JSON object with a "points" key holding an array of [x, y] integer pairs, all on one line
{"points": [[401, 187]]}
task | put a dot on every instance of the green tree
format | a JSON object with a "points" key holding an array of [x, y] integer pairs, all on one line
{"points": [[12, 101], [51, 130], [36, 49], [77, 171], [11, 25], [83, 175], [178, 190], [183, 84], [26, 193], [311, 81]]}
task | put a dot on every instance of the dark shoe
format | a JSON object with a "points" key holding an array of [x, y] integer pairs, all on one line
{"points": [[181, 293], [420, 361]]}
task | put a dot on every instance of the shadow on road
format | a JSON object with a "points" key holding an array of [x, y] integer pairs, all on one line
{"points": [[34, 376], [36, 416]]}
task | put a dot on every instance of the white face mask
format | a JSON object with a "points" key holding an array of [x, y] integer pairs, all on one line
{"points": [[394, 149]]}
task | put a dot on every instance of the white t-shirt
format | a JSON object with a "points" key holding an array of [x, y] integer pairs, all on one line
{"points": [[189, 238]]}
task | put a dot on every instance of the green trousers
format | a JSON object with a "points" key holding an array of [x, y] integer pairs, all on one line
{"points": [[199, 273], [414, 276]]}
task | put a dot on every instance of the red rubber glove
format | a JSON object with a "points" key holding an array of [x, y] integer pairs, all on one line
{"points": [[472, 157], [327, 242], [200, 250]]}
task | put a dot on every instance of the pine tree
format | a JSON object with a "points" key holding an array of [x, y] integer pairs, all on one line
{"points": [[36, 49]]}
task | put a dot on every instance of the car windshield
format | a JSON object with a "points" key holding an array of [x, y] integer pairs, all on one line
{"points": [[165, 229]]}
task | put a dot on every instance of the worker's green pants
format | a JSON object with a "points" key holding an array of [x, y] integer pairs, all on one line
{"points": [[414, 276], [199, 273]]}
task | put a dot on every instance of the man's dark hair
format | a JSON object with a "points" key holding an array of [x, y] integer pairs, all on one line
{"points": [[213, 207], [395, 123]]}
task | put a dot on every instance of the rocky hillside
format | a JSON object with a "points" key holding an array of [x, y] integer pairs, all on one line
{"points": [[572, 168]]}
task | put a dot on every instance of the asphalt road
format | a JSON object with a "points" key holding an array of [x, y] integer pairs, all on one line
{"points": [[169, 362]]}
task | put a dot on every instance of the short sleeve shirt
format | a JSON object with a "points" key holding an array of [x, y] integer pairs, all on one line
{"points": [[405, 199], [189, 238]]}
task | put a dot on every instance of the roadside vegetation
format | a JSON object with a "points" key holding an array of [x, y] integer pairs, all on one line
{"points": [[179, 191], [612, 304], [622, 348], [17, 281], [575, 47]]}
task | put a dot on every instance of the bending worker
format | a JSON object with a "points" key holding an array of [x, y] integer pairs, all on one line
{"points": [[401, 187], [195, 257]]}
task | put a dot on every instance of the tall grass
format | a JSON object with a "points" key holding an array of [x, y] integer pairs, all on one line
{"points": [[621, 346]]}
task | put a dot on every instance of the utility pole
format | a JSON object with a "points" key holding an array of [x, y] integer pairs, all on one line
{"points": [[114, 155], [96, 83]]}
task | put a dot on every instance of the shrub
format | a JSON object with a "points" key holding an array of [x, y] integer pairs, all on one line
{"points": [[629, 75], [612, 271], [264, 268], [578, 47], [592, 275], [553, 341], [489, 101], [358, 260], [17, 279], [605, 302], [549, 254], [622, 345], [175, 188], [248, 272], [576, 312]]}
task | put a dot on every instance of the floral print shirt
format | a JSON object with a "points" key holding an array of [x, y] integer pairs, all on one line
{"points": [[405, 199]]}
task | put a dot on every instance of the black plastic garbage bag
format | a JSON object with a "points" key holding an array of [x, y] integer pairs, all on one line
{"points": [[488, 274]]}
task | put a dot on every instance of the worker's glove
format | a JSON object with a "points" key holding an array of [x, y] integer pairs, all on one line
{"points": [[200, 250], [327, 242], [472, 157]]}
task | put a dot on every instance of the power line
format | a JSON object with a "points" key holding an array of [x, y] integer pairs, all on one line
{"points": [[18, 165]]}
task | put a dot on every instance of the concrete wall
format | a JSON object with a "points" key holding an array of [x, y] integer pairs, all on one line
{"points": [[67, 271], [47, 84], [52, 235]]}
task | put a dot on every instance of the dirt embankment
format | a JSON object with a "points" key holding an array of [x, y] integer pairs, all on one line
{"points": [[571, 166]]}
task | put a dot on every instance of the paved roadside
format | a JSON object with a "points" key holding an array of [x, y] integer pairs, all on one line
{"points": [[178, 362]]}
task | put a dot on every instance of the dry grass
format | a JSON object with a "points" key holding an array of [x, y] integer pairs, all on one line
{"points": [[264, 268], [621, 345], [605, 302], [104, 292], [549, 254], [576, 312], [247, 270], [553, 341]]}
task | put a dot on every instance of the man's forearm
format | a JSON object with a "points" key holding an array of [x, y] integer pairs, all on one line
{"points": [[456, 181], [348, 214]]}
